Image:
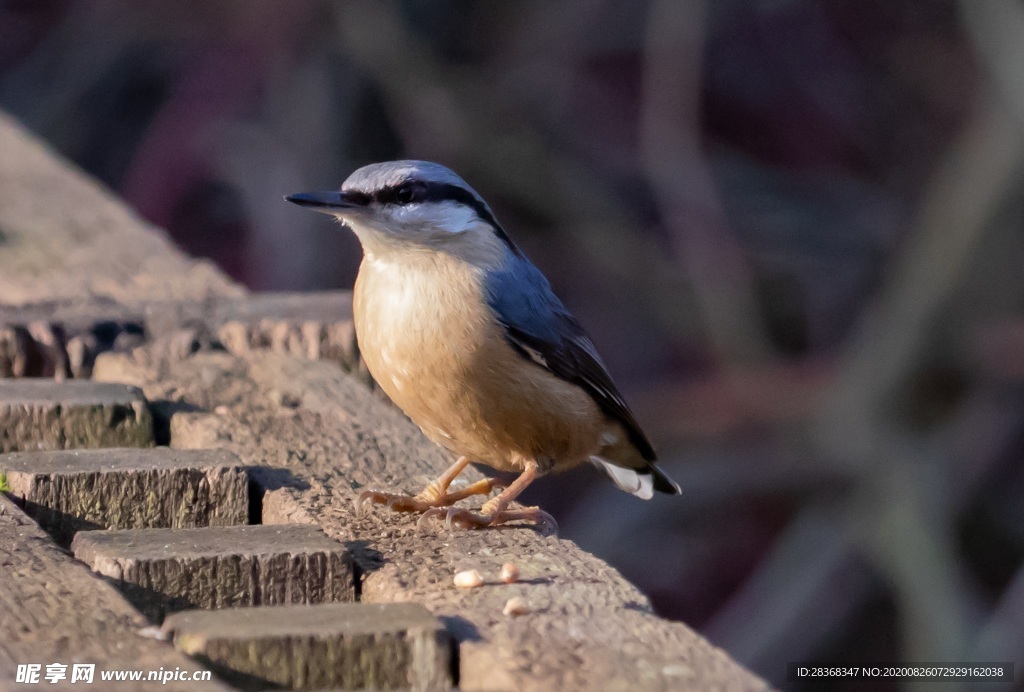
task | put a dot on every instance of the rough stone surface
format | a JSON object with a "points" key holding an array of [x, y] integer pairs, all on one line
{"points": [[43, 414], [62, 339], [166, 570], [54, 610], [72, 490], [308, 325], [317, 326], [323, 437], [348, 645]]}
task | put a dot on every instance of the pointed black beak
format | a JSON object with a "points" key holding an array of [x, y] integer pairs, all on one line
{"points": [[326, 202]]}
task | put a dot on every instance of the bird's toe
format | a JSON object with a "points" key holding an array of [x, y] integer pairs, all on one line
{"points": [[394, 502], [467, 519]]}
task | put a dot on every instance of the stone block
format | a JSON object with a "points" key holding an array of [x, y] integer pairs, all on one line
{"points": [[166, 570], [44, 414], [68, 491], [341, 645]]}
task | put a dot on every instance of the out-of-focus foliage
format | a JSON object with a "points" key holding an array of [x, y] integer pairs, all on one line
{"points": [[793, 228]]}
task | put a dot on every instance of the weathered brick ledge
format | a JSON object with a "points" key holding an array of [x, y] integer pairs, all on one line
{"points": [[88, 290]]}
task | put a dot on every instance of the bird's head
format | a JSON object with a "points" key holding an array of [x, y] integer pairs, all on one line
{"points": [[401, 206]]}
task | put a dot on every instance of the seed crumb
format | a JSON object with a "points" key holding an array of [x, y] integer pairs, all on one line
{"points": [[515, 607], [468, 579], [509, 573]]}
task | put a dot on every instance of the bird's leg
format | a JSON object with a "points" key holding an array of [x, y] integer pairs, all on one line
{"points": [[434, 495], [481, 487], [438, 488], [494, 511]]}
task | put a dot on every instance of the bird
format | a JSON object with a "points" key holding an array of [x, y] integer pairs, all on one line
{"points": [[465, 335]]}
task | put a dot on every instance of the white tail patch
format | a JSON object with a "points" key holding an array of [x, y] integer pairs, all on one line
{"points": [[639, 484]]}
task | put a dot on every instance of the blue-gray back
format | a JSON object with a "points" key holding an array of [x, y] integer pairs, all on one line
{"points": [[541, 329]]}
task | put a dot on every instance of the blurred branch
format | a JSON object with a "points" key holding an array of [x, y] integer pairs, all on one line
{"points": [[675, 167], [997, 27], [885, 534], [971, 184], [902, 512]]}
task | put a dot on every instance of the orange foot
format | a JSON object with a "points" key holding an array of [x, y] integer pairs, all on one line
{"points": [[435, 498], [430, 498], [435, 495], [495, 511], [490, 516]]}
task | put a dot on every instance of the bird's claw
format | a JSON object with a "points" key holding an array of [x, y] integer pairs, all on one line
{"points": [[362, 500], [395, 503], [541, 520], [467, 519], [491, 513]]}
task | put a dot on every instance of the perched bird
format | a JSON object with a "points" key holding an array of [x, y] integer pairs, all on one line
{"points": [[464, 334]]}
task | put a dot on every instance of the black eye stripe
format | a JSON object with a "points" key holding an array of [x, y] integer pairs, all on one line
{"points": [[412, 192], [443, 192], [404, 193], [439, 192], [360, 198]]}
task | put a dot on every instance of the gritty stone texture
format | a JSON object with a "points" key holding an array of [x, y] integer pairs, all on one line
{"points": [[320, 437], [63, 339], [165, 570], [54, 610], [72, 490], [349, 645], [43, 414], [308, 325]]}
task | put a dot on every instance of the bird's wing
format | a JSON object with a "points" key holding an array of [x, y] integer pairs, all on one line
{"points": [[541, 328]]}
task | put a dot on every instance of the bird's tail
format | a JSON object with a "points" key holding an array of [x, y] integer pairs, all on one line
{"points": [[641, 482]]}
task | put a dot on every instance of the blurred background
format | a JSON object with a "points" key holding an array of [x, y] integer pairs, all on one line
{"points": [[794, 228]]}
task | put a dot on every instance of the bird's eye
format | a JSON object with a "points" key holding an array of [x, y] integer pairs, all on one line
{"points": [[405, 194]]}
